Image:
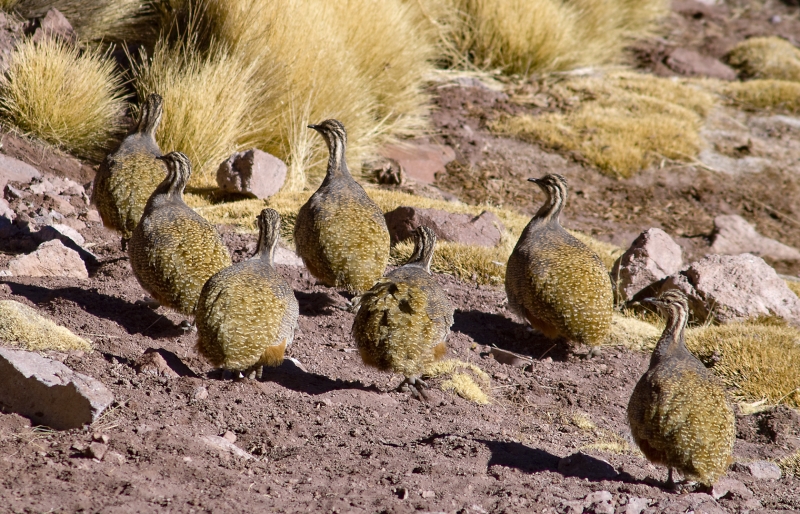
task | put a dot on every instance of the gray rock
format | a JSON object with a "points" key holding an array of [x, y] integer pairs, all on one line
{"points": [[253, 173], [420, 161], [651, 257], [51, 259], [48, 392], [14, 170], [220, 443], [734, 235], [692, 63], [585, 466], [287, 257], [730, 487], [636, 505], [599, 502], [68, 236], [763, 470], [486, 229], [7, 214], [54, 25], [735, 288]]}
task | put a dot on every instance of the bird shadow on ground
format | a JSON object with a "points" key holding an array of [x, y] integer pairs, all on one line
{"points": [[135, 319], [315, 304], [502, 332], [519, 456]]}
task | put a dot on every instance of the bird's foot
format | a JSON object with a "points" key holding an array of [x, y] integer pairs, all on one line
{"points": [[150, 303], [416, 386], [255, 373]]}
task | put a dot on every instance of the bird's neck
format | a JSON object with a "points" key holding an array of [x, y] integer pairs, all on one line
{"points": [[265, 251], [337, 164], [672, 342]]}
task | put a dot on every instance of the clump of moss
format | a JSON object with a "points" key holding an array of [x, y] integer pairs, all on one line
{"points": [[23, 327], [766, 58], [621, 123], [463, 384], [70, 99], [764, 95]]}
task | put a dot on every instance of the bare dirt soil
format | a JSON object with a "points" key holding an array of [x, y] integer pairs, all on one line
{"points": [[334, 436]]}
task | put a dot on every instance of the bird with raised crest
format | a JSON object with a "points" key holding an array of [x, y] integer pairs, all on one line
{"points": [[555, 281], [173, 250], [679, 414], [247, 313], [402, 322], [340, 233], [128, 176]]}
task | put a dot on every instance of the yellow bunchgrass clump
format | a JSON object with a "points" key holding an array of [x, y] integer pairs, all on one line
{"points": [[758, 359], [95, 20], [7, 5], [70, 99], [623, 122], [794, 285], [633, 332], [790, 466], [764, 95], [311, 60], [766, 58], [23, 327], [524, 36], [479, 264], [207, 103], [463, 384]]}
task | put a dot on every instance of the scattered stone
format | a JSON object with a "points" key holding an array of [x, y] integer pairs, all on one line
{"points": [[730, 487], [55, 25], [651, 257], [100, 438], [200, 393], [386, 171], [286, 257], [12, 193], [96, 450], [253, 173], [14, 170], [763, 470], [636, 505], [734, 235], [485, 229], [509, 358], [153, 363], [49, 393], [752, 504], [64, 233], [92, 216], [51, 259], [229, 436], [223, 444], [691, 63], [585, 466], [599, 502], [428, 494], [7, 214], [420, 161], [24, 327], [735, 288], [114, 458]]}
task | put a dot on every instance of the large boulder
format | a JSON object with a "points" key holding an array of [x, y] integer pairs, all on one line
{"points": [[419, 160], [733, 235], [252, 173], [485, 229], [51, 259], [14, 170], [49, 393], [651, 257], [732, 288]]}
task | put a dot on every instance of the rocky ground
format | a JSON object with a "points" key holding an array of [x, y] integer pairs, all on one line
{"points": [[325, 433]]}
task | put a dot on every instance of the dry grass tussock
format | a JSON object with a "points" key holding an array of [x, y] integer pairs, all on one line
{"points": [[794, 285], [313, 60], [634, 331], [96, 20], [24, 328], [472, 263], [790, 466], [763, 95], [525, 36], [70, 99], [8, 5], [207, 103], [621, 122], [466, 380], [766, 58]]}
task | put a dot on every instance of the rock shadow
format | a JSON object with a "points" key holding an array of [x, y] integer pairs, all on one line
{"points": [[135, 319], [502, 332], [521, 457]]}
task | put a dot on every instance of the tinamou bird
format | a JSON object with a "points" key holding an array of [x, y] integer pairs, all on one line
{"points": [[128, 176], [174, 250], [247, 313], [678, 412], [402, 322], [555, 281], [340, 233]]}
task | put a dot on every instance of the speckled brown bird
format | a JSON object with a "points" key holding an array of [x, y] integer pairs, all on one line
{"points": [[247, 313], [128, 176], [340, 233], [403, 321], [174, 250], [678, 412], [555, 281]]}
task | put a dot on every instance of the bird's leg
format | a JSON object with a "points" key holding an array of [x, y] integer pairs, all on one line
{"points": [[670, 482], [124, 244], [254, 372], [416, 386]]}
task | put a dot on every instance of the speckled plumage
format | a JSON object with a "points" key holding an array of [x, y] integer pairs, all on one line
{"points": [[247, 312], [128, 176], [403, 321], [174, 250], [340, 233], [678, 412], [555, 281]]}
